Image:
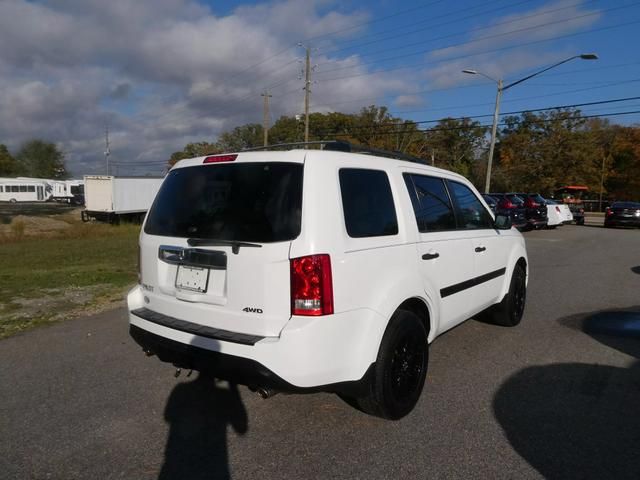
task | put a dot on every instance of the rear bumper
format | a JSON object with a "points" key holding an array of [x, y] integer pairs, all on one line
{"points": [[329, 353], [537, 222], [623, 222], [238, 370]]}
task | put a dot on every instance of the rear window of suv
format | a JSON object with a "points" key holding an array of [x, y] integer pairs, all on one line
{"points": [[251, 202]]}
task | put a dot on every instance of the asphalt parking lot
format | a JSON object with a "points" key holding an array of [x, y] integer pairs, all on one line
{"points": [[552, 398]]}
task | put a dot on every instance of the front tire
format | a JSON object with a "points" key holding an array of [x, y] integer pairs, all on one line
{"points": [[508, 313], [400, 370]]}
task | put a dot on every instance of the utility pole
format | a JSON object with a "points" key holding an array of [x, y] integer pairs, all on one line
{"points": [[265, 117], [107, 152], [494, 128], [307, 92], [433, 157]]}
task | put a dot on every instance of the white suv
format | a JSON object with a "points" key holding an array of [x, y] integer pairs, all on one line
{"points": [[317, 270]]}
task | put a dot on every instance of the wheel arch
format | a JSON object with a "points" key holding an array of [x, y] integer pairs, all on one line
{"points": [[420, 308]]}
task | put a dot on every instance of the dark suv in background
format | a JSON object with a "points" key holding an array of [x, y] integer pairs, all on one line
{"points": [[536, 209], [513, 206]]}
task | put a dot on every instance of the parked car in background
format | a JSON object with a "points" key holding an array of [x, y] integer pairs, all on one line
{"points": [[492, 202], [571, 195], [622, 214], [557, 213], [536, 209], [513, 207]]}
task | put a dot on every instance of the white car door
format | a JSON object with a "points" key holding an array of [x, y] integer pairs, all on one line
{"points": [[445, 254], [490, 246]]}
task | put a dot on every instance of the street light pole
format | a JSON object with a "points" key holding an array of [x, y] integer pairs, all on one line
{"points": [[494, 128], [502, 88]]}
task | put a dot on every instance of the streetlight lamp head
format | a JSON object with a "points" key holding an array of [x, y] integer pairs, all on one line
{"points": [[470, 72], [589, 56]]}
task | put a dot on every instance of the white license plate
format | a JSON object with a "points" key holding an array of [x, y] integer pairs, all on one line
{"points": [[192, 278]]}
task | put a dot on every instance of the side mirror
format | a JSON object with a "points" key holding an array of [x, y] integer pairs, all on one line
{"points": [[502, 222]]}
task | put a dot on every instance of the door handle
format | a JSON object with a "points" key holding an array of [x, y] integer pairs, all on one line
{"points": [[480, 249], [430, 256]]}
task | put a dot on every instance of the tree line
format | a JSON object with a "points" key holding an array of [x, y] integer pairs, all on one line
{"points": [[535, 152], [35, 158]]}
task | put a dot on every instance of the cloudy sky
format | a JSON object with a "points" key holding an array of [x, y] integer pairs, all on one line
{"points": [[162, 73]]}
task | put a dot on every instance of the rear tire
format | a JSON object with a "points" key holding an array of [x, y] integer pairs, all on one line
{"points": [[400, 370], [580, 221], [508, 313]]}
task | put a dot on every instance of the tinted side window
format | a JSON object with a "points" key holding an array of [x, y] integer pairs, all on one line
{"points": [[471, 214], [431, 203], [368, 203]]}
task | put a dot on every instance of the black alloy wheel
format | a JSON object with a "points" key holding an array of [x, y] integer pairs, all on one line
{"points": [[400, 369], [407, 368], [519, 294]]}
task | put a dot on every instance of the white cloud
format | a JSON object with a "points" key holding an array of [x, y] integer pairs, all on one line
{"points": [[548, 21], [161, 73], [409, 100]]}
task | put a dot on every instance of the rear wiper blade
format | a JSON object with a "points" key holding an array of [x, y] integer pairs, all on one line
{"points": [[208, 242]]}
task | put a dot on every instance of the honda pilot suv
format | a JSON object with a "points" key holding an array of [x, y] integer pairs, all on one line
{"points": [[318, 270]]}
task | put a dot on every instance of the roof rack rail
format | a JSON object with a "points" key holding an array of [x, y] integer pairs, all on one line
{"points": [[342, 146]]}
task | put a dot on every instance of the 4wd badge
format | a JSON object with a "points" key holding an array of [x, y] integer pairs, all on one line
{"points": [[252, 310]]}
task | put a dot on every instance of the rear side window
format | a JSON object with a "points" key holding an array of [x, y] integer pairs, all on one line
{"points": [[251, 202], [367, 201], [431, 203], [471, 214]]}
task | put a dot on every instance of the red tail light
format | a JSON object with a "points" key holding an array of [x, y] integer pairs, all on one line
{"points": [[529, 203], [311, 285], [506, 204], [220, 158], [609, 211]]}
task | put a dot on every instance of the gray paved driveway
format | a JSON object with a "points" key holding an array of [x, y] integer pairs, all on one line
{"points": [[551, 398]]}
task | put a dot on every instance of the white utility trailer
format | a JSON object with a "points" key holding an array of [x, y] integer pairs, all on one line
{"points": [[24, 190], [111, 199]]}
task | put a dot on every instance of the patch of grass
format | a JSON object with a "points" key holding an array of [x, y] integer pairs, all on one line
{"points": [[82, 268]]}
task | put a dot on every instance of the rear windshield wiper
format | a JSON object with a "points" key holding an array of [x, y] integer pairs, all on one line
{"points": [[235, 246]]}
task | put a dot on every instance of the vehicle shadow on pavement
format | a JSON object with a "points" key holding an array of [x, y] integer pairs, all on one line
{"points": [[636, 269], [577, 420], [199, 413]]}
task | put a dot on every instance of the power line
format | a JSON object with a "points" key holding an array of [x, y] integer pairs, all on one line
{"points": [[491, 26], [466, 127], [470, 42], [379, 19], [474, 85], [286, 80], [150, 163], [282, 82], [557, 107], [536, 42]]}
